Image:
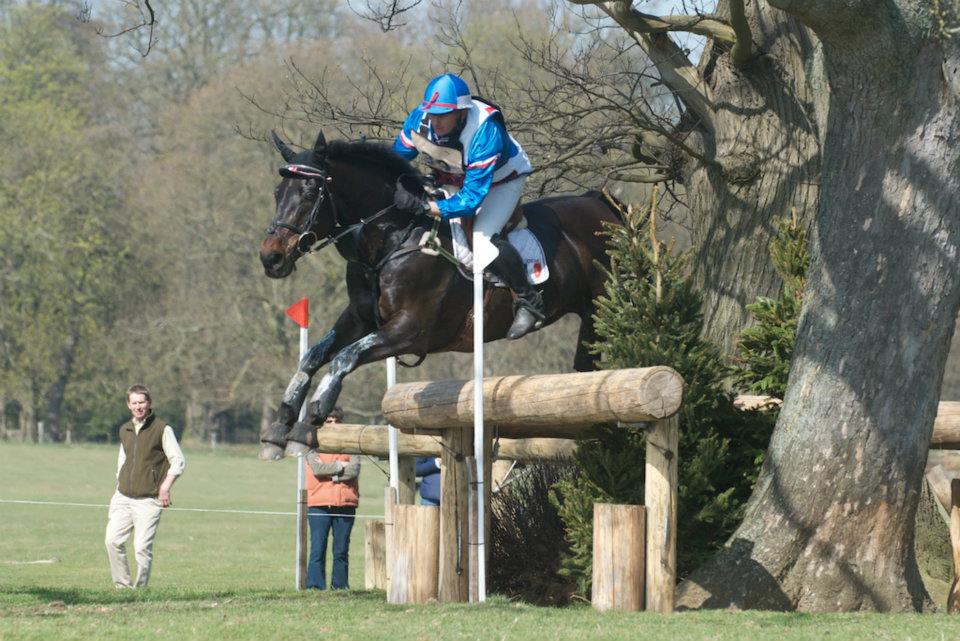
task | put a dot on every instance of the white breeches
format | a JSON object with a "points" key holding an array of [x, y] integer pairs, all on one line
{"points": [[492, 215]]}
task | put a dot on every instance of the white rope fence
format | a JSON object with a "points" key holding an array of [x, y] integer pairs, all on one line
{"points": [[186, 509]]}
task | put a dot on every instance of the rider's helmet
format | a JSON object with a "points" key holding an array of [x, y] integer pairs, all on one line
{"points": [[446, 93]]}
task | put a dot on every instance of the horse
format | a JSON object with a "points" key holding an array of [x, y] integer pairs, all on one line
{"points": [[403, 301]]}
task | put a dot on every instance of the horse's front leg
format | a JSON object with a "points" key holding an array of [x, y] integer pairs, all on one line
{"points": [[346, 330], [274, 439], [388, 341]]}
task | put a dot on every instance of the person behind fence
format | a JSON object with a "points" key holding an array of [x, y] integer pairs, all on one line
{"points": [[464, 141], [333, 493], [149, 462], [428, 469]]}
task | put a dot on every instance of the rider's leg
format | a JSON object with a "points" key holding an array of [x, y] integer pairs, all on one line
{"points": [[528, 309], [500, 257]]}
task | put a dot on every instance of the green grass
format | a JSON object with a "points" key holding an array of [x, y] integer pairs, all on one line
{"points": [[230, 576]]}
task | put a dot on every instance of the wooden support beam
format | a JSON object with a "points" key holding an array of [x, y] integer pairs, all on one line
{"points": [[660, 499], [454, 558], [347, 438], [946, 426], [375, 555], [554, 405], [416, 531], [953, 598]]}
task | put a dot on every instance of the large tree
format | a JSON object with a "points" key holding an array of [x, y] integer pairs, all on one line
{"points": [[830, 524]]}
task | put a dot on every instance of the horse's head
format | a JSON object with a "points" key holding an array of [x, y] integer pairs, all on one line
{"points": [[305, 210]]}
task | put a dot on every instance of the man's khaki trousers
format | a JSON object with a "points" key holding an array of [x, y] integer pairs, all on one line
{"points": [[140, 516]]}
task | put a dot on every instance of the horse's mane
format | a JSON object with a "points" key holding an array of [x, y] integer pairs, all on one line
{"points": [[370, 154]]}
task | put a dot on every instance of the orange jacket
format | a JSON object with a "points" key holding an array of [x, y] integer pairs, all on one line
{"points": [[323, 490]]}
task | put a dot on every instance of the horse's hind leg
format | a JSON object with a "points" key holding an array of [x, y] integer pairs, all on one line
{"points": [[274, 439], [584, 360]]}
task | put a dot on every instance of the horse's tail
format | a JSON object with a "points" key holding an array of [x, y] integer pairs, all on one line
{"points": [[616, 206]]}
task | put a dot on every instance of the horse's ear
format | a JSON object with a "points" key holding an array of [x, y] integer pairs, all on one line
{"points": [[320, 147], [287, 153]]}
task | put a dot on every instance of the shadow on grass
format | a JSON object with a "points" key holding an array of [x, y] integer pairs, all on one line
{"points": [[78, 596]]}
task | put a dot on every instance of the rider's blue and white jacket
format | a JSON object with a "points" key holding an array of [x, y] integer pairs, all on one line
{"points": [[490, 155]]}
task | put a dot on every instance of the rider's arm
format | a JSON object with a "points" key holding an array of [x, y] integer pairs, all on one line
{"points": [[403, 144], [482, 157]]}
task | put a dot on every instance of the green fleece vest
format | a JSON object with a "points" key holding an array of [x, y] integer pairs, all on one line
{"points": [[146, 465]]}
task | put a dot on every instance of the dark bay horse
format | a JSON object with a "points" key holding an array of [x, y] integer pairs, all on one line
{"points": [[401, 300]]}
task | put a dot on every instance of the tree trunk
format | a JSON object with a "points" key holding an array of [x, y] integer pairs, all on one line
{"points": [[766, 140], [830, 525], [58, 389], [198, 420], [28, 422]]}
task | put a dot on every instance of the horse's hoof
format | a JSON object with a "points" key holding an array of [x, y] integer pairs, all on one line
{"points": [[303, 432], [275, 434], [270, 452], [296, 449]]}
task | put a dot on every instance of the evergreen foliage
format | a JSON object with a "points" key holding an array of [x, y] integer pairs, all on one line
{"points": [[766, 348], [650, 315], [527, 537]]}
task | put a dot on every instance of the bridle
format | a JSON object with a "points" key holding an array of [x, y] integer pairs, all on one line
{"points": [[307, 238], [307, 241]]}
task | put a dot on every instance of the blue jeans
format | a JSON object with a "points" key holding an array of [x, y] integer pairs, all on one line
{"points": [[322, 520]]}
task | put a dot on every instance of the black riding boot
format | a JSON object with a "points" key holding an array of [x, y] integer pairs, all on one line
{"points": [[528, 308]]}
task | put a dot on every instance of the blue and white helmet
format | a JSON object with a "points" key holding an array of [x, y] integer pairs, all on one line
{"points": [[446, 93]]}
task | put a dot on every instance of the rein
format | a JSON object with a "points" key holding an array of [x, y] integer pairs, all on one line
{"points": [[307, 241]]}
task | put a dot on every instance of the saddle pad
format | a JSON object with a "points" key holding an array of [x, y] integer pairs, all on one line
{"points": [[526, 244]]}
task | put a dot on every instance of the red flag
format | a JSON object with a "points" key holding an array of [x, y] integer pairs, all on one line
{"points": [[299, 312]]}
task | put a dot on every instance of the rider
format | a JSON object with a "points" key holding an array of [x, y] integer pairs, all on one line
{"points": [[472, 157]]}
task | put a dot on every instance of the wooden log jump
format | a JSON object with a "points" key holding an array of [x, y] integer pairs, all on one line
{"points": [[535, 409], [551, 405], [946, 426], [349, 438]]}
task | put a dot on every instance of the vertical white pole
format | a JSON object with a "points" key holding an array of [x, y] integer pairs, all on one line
{"points": [[478, 444], [301, 478], [392, 434]]}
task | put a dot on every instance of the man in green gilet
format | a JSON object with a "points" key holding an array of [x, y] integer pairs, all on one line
{"points": [[149, 462]]}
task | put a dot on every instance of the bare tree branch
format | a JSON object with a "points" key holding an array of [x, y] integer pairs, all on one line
{"points": [[708, 26], [743, 47], [386, 14], [147, 19]]}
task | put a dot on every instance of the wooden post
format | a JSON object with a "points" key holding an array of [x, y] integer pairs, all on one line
{"points": [[375, 556], [472, 544], [304, 537], [454, 568], [660, 497], [408, 481], [389, 503], [953, 600], [416, 531], [618, 557]]}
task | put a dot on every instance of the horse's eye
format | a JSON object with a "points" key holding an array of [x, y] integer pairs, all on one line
{"points": [[311, 192]]}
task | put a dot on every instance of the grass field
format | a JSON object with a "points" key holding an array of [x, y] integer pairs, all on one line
{"points": [[220, 575]]}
